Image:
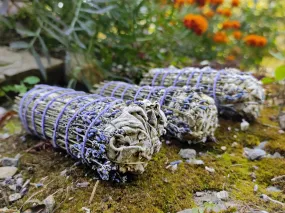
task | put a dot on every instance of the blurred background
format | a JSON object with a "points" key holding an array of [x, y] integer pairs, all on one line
{"points": [[80, 42]]}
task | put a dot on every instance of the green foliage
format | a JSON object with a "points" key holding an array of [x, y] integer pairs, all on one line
{"points": [[280, 73], [122, 39], [21, 88]]}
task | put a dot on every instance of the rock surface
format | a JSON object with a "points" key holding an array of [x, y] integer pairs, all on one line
{"points": [[187, 153], [7, 171]]}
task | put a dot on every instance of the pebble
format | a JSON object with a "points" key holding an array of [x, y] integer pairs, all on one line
{"points": [[187, 153], [273, 189], [175, 162], [255, 188], [14, 197], [224, 148], [276, 155], [234, 144], [82, 185], [7, 171], [210, 169], [49, 203], [280, 131], [195, 162], [223, 195], [244, 125], [11, 161], [282, 121], [254, 154], [262, 145]]}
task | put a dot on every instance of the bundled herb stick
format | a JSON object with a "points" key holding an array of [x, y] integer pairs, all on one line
{"points": [[107, 134], [236, 93], [191, 115]]}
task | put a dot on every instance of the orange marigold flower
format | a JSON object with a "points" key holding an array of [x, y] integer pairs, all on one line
{"points": [[225, 12], [231, 57], [231, 24], [235, 3], [217, 2], [197, 23], [209, 13], [237, 35], [255, 40], [220, 37], [179, 3], [201, 3]]}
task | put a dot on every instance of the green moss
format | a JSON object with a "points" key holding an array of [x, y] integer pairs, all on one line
{"points": [[158, 189]]}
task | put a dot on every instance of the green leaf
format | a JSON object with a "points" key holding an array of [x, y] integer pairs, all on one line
{"points": [[277, 55], [19, 45], [39, 63], [267, 80], [21, 88], [280, 73], [31, 80], [25, 32]]}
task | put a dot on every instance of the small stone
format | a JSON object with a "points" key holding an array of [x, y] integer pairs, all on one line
{"points": [[280, 131], [223, 195], [229, 128], [187, 153], [10, 161], [255, 188], [235, 136], [224, 148], [253, 175], [19, 181], [282, 121], [276, 155], [255, 167], [49, 203], [173, 168], [273, 189], [244, 125], [2, 111], [235, 144], [210, 169], [7, 171], [86, 210], [167, 142], [262, 145], [82, 185], [195, 162], [63, 173], [254, 154], [14, 197]]}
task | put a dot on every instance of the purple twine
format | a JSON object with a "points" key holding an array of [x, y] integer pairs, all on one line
{"points": [[215, 84], [108, 106]]}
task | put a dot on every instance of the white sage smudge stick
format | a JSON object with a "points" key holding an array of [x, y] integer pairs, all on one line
{"points": [[236, 94], [191, 115], [109, 135]]}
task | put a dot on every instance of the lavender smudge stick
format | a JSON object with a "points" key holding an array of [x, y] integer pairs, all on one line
{"points": [[108, 135], [191, 115], [237, 94]]}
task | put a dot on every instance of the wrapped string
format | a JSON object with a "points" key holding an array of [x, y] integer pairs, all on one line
{"points": [[107, 134], [236, 94], [191, 115]]}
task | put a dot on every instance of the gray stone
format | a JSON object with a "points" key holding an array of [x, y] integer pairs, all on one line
{"points": [[82, 185], [262, 145], [49, 203], [14, 197], [276, 155], [187, 153], [254, 154], [195, 162], [10, 161], [15, 65], [282, 121], [223, 195], [273, 189], [7, 171]]}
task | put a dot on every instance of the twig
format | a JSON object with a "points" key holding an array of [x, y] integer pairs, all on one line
{"points": [[278, 178], [93, 192], [67, 195], [267, 198]]}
